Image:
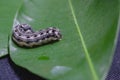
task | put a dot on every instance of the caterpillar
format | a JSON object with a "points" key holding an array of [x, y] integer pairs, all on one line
{"points": [[24, 35]]}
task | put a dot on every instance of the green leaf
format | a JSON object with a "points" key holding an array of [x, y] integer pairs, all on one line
{"points": [[89, 29], [7, 11]]}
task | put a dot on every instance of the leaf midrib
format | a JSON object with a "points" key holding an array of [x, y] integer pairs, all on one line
{"points": [[95, 77]]}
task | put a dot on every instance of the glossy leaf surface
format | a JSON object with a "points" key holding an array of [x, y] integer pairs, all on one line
{"points": [[89, 30]]}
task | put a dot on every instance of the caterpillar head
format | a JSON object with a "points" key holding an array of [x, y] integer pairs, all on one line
{"points": [[25, 28]]}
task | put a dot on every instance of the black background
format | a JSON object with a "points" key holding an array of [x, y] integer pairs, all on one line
{"points": [[10, 71]]}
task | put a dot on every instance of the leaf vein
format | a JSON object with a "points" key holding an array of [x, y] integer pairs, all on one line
{"points": [[95, 77]]}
